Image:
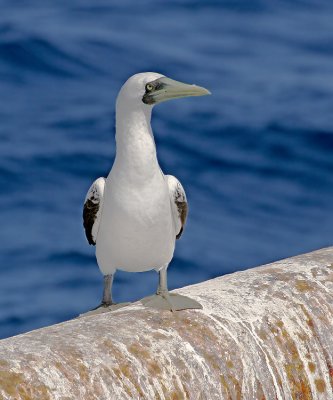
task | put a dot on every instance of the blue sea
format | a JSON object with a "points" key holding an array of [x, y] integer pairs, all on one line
{"points": [[255, 158]]}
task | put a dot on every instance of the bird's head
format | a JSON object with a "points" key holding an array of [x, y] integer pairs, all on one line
{"points": [[150, 88]]}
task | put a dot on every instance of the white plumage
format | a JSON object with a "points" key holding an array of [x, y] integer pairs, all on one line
{"points": [[135, 214]]}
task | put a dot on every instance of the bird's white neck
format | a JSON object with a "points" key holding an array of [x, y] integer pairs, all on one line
{"points": [[135, 143]]}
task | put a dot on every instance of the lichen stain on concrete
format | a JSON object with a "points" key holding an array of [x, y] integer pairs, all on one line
{"points": [[316, 335], [260, 395], [197, 329], [16, 387], [303, 286], [303, 336], [193, 325], [73, 357], [309, 319], [320, 385], [139, 351], [281, 276], [294, 368], [4, 364], [225, 387], [177, 392], [280, 324], [146, 358], [299, 385], [231, 387], [125, 369], [176, 395], [312, 366], [160, 336], [63, 370], [200, 334]]}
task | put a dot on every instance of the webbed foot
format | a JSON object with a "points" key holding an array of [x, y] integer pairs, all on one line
{"points": [[170, 301], [104, 308]]}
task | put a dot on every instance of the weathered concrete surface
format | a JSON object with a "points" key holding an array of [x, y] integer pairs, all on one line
{"points": [[265, 333]]}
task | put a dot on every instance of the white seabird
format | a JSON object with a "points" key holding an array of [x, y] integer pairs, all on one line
{"points": [[135, 215]]}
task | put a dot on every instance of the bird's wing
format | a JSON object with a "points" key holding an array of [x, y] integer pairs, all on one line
{"points": [[178, 203], [92, 209]]}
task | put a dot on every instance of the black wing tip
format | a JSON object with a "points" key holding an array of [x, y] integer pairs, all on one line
{"points": [[88, 233], [91, 241], [89, 215], [180, 233]]}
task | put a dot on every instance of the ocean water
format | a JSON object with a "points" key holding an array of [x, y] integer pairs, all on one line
{"points": [[256, 157]]}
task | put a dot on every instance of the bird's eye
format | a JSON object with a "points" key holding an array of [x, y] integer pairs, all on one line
{"points": [[149, 87]]}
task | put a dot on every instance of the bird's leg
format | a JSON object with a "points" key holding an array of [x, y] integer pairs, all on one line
{"points": [[163, 300], [107, 291], [162, 289], [162, 282], [107, 303]]}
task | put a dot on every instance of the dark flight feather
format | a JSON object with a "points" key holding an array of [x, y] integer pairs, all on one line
{"points": [[92, 209]]}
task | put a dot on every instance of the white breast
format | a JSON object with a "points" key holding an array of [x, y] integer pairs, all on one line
{"points": [[137, 231]]}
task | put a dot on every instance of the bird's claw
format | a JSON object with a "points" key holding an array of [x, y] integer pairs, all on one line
{"points": [[170, 301], [104, 308]]}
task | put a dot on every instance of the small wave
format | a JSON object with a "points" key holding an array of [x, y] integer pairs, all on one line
{"points": [[43, 57]]}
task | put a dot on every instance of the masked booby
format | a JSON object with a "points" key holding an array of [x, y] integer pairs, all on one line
{"points": [[135, 215]]}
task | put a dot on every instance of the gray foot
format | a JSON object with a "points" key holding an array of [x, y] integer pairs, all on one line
{"points": [[171, 302], [101, 309]]}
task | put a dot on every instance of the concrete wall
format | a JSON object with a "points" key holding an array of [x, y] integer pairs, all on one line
{"points": [[265, 333]]}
